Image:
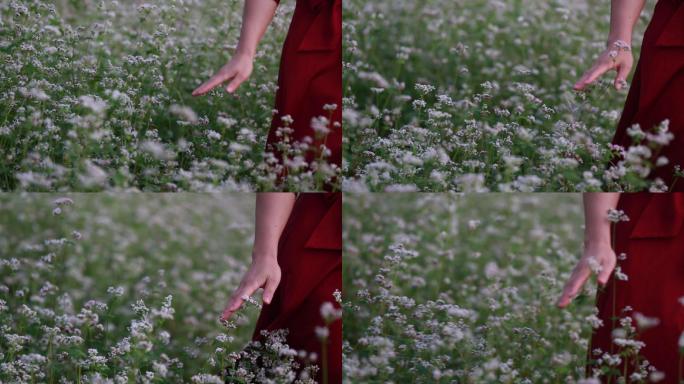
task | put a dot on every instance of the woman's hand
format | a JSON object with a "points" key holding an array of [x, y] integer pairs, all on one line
{"points": [[618, 56], [237, 70], [599, 258], [264, 272]]}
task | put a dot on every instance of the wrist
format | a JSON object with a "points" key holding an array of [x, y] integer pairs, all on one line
{"points": [[619, 41], [245, 53], [265, 253], [602, 241]]}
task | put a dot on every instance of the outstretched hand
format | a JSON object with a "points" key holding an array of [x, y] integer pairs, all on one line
{"points": [[236, 71], [597, 258], [618, 58], [264, 272]]}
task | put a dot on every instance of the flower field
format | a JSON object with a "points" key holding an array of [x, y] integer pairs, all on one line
{"points": [[476, 95], [95, 95], [97, 288], [452, 288]]}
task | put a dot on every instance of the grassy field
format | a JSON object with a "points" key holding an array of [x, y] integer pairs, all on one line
{"points": [[128, 288], [461, 288], [95, 95], [476, 95]]}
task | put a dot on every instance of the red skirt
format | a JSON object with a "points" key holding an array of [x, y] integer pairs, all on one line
{"points": [[653, 243], [310, 77], [310, 257], [657, 91]]}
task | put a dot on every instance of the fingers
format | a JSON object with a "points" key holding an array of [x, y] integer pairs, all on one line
{"points": [[577, 280], [621, 78], [606, 269], [591, 75], [237, 300], [214, 81], [270, 288], [235, 83]]}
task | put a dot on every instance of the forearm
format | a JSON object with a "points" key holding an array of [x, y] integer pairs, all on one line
{"points": [[272, 212], [623, 17], [256, 17], [596, 223]]}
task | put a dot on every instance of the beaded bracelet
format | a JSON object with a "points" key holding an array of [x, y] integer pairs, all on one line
{"points": [[622, 45], [618, 45]]}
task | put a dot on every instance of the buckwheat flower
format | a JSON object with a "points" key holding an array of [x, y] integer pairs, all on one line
{"points": [[611, 360], [424, 89], [287, 120], [329, 107], [329, 313], [63, 201], [57, 211], [322, 333], [166, 311], [337, 294], [436, 374], [656, 376], [157, 150], [474, 223], [419, 104], [115, 291], [320, 125], [376, 78], [252, 301], [629, 343], [620, 275], [662, 161], [94, 103], [594, 265], [122, 347], [140, 308], [93, 176], [223, 338], [594, 320], [617, 215], [213, 135], [185, 113], [165, 337], [644, 322], [227, 122], [160, 369]]}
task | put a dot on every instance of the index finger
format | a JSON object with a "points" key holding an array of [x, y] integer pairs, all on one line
{"points": [[237, 300], [590, 76], [210, 84], [578, 278]]}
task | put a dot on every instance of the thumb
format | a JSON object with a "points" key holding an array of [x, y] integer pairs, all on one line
{"points": [[270, 288]]}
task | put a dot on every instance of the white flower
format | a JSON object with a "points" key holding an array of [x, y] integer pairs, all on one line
{"points": [[322, 332], [645, 322], [329, 313], [94, 103], [184, 113]]}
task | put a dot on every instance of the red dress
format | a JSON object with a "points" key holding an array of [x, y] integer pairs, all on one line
{"points": [[657, 91], [310, 77], [310, 257], [653, 243]]}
